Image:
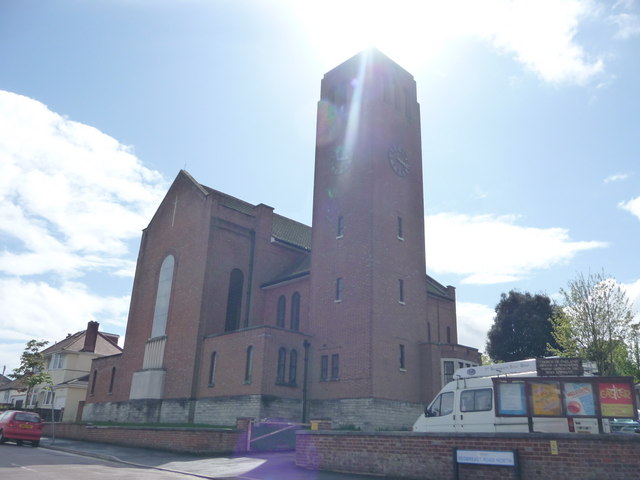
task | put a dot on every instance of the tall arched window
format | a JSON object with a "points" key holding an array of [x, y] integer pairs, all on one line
{"points": [[163, 297], [282, 365], [295, 311], [282, 311], [248, 366], [113, 377], [93, 382], [293, 366], [234, 301], [212, 369]]}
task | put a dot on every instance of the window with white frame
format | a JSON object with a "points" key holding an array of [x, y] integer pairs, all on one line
{"points": [[56, 362]]}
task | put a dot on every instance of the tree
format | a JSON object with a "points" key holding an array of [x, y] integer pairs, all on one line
{"points": [[521, 328], [594, 323], [32, 368]]}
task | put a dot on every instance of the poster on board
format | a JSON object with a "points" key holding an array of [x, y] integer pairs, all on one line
{"points": [[546, 399], [579, 398], [511, 399], [616, 399]]}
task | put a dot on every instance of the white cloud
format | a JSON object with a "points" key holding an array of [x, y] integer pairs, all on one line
{"points": [[633, 294], [488, 249], [628, 25], [72, 199], [474, 322], [616, 177], [72, 196], [541, 35], [632, 206]]}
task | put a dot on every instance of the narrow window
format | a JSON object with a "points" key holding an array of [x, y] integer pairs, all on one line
{"points": [[163, 295], [234, 301], [402, 365], [335, 366], [282, 311], [212, 369], [324, 367], [338, 289], [293, 366], [340, 232], [93, 382], [400, 232], [282, 365], [401, 290], [448, 371], [448, 334], [428, 331], [295, 311], [113, 378], [248, 367]]}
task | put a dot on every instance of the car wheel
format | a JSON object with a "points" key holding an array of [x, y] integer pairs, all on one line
{"points": [[2, 437], [19, 443], [35, 443]]}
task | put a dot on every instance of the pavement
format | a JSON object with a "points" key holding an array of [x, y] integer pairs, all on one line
{"points": [[258, 466]]}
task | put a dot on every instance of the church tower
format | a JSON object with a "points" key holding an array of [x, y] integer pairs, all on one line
{"points": [[368, 280]]}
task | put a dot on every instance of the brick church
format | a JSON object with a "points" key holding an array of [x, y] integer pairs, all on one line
{"points": [[237, 311]]}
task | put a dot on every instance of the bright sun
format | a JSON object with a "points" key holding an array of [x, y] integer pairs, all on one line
{"points": [[412, 32]]}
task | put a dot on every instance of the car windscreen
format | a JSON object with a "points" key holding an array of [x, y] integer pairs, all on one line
{"points": [[27, 417]]}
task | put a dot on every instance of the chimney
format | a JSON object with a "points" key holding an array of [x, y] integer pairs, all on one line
{"points": [[90, 337]]}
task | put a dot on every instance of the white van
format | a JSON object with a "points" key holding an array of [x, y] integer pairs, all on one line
{"points": [[467, 404]]}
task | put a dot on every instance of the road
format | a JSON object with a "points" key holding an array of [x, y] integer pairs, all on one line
{"points": [[26, 463]]}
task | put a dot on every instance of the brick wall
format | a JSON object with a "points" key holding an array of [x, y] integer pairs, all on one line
{"points": [[190, 440], [430, 456]]}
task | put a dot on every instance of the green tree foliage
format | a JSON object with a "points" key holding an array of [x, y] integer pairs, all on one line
{"points": [[521, 328], [32, 368], [595, 324]]}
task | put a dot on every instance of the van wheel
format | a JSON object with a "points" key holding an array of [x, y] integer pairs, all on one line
{"points": [[35, 443]]}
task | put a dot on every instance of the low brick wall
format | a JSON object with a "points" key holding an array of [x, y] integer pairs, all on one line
{"points": [[429, 456], [188, 440]]}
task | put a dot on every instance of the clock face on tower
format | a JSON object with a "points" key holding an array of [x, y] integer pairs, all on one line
{"points": [[399, 161], [340, 160]]}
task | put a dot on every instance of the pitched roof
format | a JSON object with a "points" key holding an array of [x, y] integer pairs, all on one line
{"points": [[283, 229], [297, 270], [75, 343], [436, 288], [18, 384]]}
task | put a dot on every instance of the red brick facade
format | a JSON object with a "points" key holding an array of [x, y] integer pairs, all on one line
{"points": [[430, 456], [257, 322]]}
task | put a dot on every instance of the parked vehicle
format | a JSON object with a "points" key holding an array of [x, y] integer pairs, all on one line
{"points": [[624, 425], [512, 397], [20, 426]]}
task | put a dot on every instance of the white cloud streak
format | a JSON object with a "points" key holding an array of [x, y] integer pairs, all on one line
{"points": [[616, 177], [632, 206], [489, 249], [541, 35], [474, 322]]}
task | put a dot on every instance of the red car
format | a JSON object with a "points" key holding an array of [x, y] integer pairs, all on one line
{"points": [[20, 426]]}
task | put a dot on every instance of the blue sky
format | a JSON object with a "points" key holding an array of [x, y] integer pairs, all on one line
{"points": [[530, 128]]}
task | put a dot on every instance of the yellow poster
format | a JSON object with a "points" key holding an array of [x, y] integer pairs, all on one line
{"points": [[546, 400]]}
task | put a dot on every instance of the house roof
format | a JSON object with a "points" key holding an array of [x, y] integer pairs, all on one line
{"points": [[4, 379], [75, 343], [18, 384]]}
